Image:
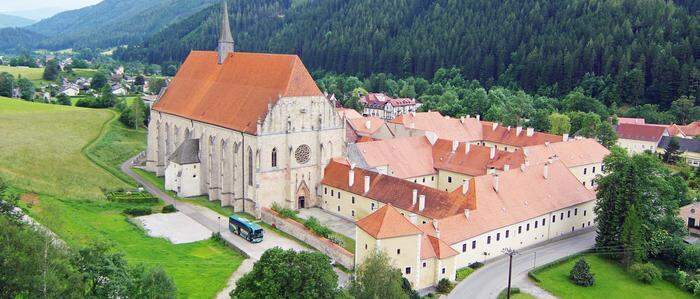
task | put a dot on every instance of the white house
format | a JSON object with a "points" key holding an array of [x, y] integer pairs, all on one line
{"points": [[182, 174]]}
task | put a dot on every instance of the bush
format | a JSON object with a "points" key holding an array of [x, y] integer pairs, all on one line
{"points": [[444, 286], [121, 195], [646, 273], [313, 224], [476, 265], [169, 209], [284, 212], [504, 294], [137, 211], [581, 274]]}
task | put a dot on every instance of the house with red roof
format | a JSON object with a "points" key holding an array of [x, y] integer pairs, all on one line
{"points": [[637, 138], [385, 107]]}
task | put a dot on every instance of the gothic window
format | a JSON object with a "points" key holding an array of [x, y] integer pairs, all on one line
{"points": [[302, 154], [250, 167], [274, 157]]}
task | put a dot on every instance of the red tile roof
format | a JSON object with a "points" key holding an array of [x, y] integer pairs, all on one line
{"points": [[476, 162], [510, 136], [629, 120], [395, 191], [348, 113], [387, 222], [575, 152], [235, 94], [692, 129], [432, 247], [379, 100], [644, 132], [360, 125]]}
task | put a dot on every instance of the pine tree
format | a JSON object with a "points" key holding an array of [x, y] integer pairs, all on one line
{"points": [[631, 238], [581, 274], [671, 155]]}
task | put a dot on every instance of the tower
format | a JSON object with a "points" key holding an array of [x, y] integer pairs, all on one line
{"points": [[225, 36]]}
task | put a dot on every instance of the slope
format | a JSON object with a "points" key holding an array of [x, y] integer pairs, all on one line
{"points": [[14, 21]]}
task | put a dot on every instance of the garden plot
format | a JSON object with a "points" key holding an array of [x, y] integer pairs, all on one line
{"points": [[177, 227]]}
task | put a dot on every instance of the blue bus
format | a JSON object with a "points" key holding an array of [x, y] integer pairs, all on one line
{"points": [[246, 229]]}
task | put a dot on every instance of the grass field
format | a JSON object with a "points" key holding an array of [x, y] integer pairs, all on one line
{"points": [[36, 74], [611, 281], [42, 146], [118, 144], [42, 152]]}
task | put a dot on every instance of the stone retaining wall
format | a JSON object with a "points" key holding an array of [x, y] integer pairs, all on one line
{"points": [[299, 231]]}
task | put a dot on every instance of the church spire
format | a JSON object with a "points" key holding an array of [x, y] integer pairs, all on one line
{"points": [[225, 36]]}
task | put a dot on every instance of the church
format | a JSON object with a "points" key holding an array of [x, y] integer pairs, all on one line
{"points": [[247, 129]]}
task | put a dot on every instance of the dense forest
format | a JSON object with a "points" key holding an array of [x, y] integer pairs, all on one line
{"points": [[647, 50]]}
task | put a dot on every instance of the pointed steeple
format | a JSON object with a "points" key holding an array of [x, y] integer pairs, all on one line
{"points": [[225, 36]]}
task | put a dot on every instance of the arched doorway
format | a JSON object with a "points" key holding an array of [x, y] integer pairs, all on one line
{"points": [[302, 196]]}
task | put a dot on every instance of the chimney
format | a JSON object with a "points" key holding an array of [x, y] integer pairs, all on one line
{"points": [[494, 126], [465, 187], [508, 129], [506, 167], [545, 173], [455, 144], [495, 182], [467, 147], [351, 177], [415, 197], [466, 213], [421, 202], [493, 153], [478, 117], [518, 130], [413, 218], [526, 151], [530, 132], [368, 124], [566, 137], [461, 119], [366, 183]]}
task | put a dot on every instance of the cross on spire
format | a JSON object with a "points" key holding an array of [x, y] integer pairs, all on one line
{"points": [[225, 36]]}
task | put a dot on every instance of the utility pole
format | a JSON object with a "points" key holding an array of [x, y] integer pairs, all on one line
{"points": [[510, 253]]}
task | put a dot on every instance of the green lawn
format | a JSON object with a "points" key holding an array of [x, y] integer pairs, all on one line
{"points": [[43, 148], [33, 74], [118, 144], [611, 281]]}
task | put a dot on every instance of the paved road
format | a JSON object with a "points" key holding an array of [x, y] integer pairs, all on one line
{"points": [[488, 281]]}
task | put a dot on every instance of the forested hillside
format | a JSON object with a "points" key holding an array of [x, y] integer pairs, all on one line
{"points": [[647, 49], [13, 21]]}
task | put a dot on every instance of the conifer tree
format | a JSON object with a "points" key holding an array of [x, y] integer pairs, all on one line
{"points": [[581, 274]]}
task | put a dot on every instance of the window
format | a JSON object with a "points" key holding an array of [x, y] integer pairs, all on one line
{"points": [[561, 217], [365, 246], [527, 228], [325, 190], [589, 223], [274, 157], [498, 236], [584, 170], [338, 194], [584, 183], [372, 206], [425, 264], [520, 229], [332, 193], [584, 212], [488, 240], [353, 200], [543, 221], [568, 214], [432, 178], [583, 225], [338, 208], [423, 180], [602, 167], [408, 270], [464, 247], [443, 270], [398, 251], [554, 218], [352, 212], [575, 211], [593, 169], [507, 233], [474, 244], [449, 179], [536, 223]]}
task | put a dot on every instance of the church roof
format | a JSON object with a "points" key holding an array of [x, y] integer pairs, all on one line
{"points": [[186, 153], [236, 93]]}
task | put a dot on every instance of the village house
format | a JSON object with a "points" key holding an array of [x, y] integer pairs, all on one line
{"points": [[70, 89], [265, 130], [118, 90], [385, 107], [637, 138], [689, 149], [691, 217], [582, 156]]}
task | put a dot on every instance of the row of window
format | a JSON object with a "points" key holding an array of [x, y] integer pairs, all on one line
{"points": [[432, 179], [585, 170]]}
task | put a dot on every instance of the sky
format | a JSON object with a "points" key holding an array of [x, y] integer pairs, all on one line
{"points": [[41, 8]]}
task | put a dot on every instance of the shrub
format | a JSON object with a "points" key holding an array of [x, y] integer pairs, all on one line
{"points": [[581, 274], [131, 197], [137, 211], [284, 212], [504, 294], [646, 273], [476, 265], [169, 209], [444, 286], [313, 224]]}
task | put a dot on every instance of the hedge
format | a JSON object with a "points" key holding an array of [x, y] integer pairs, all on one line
{"points": [[137, 211], [131, 197]]}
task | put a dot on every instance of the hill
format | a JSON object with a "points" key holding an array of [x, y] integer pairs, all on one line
{"points": [[14, 21], [649, 49], [106, 24]]}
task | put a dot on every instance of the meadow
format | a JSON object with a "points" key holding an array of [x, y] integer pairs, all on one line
{"points": [[611, 281], [44, 158], [36, 74]]}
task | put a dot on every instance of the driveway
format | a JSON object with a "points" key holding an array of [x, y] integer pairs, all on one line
{"points": [[491, 279], [334, 222]]}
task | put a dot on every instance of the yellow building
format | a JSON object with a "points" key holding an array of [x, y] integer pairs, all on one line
{"points": [[637, 138], [423, 259]]}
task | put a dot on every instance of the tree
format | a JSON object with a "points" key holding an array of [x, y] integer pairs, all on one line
{"points": [[671, 155], [26, 89], [105, 272], [63, 99], [581, 274], [51, 70], [139, 80], [559, 124], [153, 283], [631, 238], [106, 100], [155, 85], [7, 84], [99, 80], [376, 278], [684, 110], [289, 274], [606, 135], [135, 115]]}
